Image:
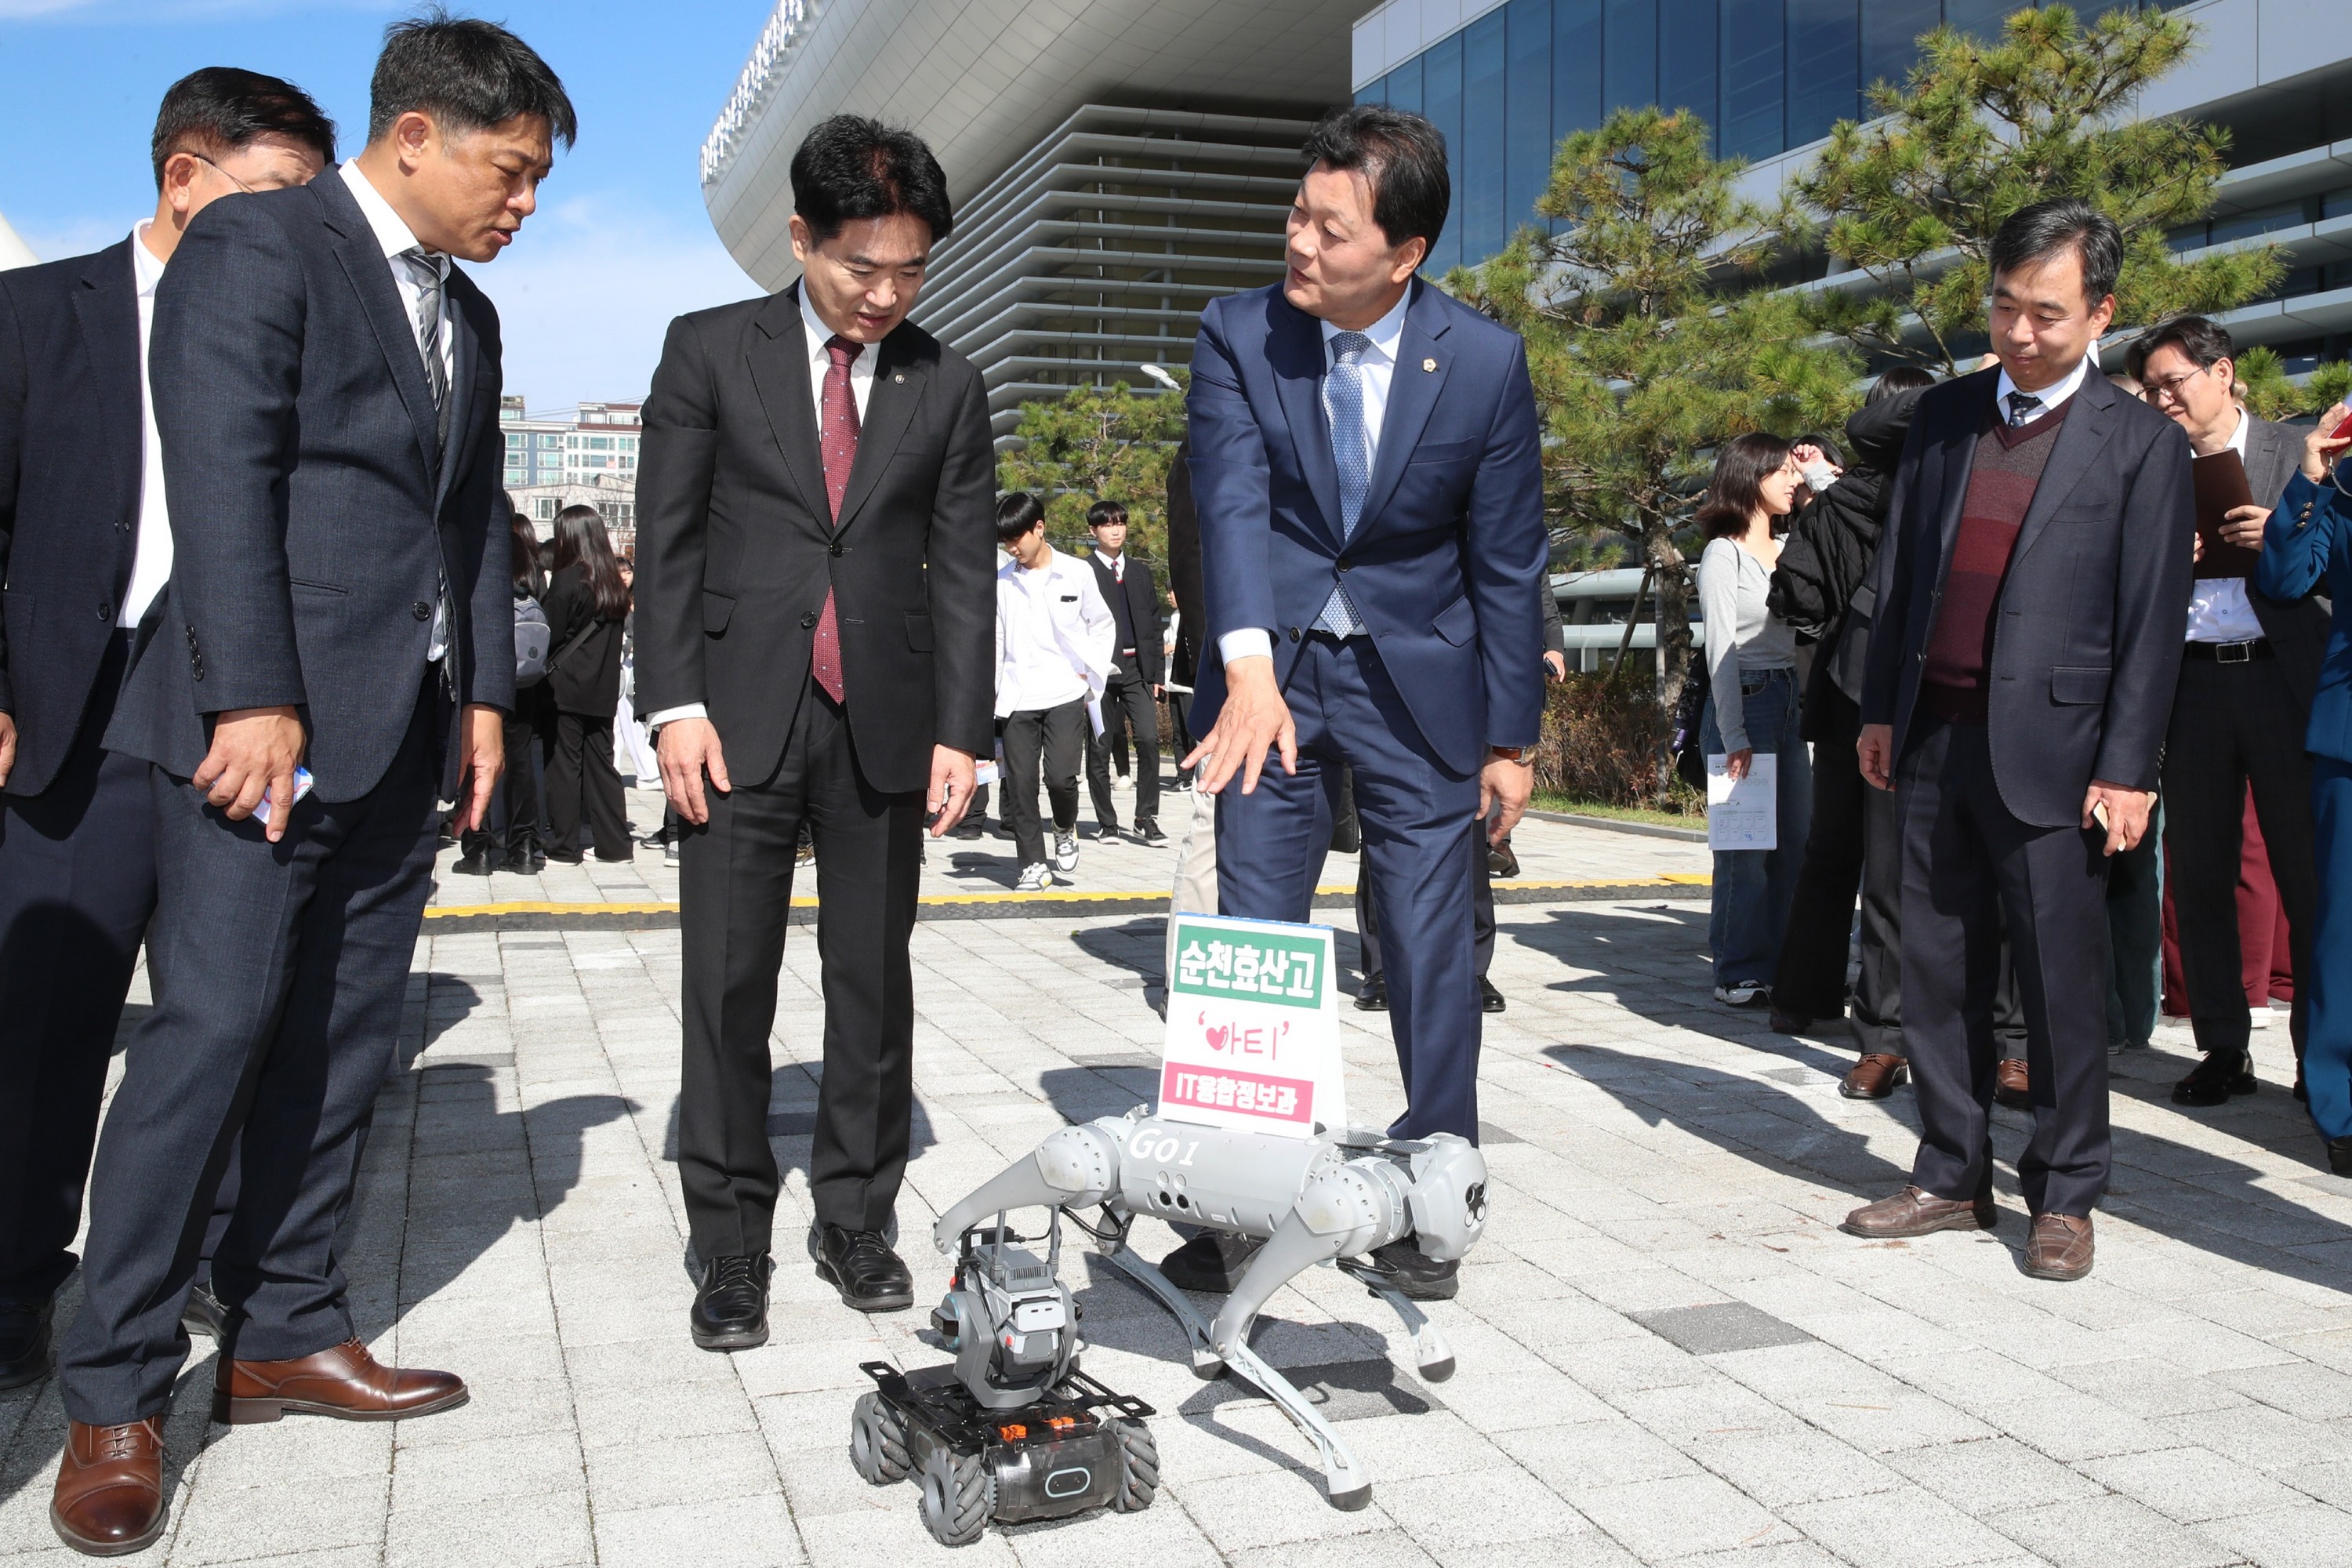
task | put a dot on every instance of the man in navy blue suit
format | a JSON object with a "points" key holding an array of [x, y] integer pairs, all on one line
{"points": [[1365, 465]]}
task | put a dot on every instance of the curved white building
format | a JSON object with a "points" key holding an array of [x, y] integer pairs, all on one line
{"points": [[1115, 163]]}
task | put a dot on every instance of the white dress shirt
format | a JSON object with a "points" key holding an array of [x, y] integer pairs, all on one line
{"points": [[861, 388], [2218, 610], [394, 237], [1377, 370], [151, 560], [2051, 396], [1054, 635]]}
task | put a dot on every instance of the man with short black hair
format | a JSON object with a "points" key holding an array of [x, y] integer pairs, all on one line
{"points": [[2031, 582], [82, 523], [816, 607], [1365, 461], [2238, 719], [1130, 701], [327, 391]]}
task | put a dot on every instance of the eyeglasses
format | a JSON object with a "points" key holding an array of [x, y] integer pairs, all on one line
{"points": [[223, 173], [2169, 387]]}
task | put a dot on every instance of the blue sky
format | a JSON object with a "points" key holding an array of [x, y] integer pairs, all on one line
{"points": [[621, 242]]}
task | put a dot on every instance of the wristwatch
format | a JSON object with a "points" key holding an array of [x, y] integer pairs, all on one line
{"points": [[1507, 754]]}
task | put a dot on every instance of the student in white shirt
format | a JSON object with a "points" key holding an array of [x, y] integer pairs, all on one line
{"points": [[1054, 654]]}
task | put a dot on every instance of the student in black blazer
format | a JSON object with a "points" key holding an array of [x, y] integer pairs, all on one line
{"points": [[1130, 703], [85, 549], [2031, 583], [586, 603], [327, 390]]}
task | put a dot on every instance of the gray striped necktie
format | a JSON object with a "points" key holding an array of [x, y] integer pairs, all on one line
{"points": [[1351, 454], [424, 272]]}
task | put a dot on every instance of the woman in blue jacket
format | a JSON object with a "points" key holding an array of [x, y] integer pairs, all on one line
{"points": [[2309, 538]]}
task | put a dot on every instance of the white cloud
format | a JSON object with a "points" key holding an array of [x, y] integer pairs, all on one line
{"points": [[587, 292]]}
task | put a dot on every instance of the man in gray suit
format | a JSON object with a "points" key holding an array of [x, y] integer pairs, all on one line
{"points": [[2248, 669], [2032, 579], [327, 393]]}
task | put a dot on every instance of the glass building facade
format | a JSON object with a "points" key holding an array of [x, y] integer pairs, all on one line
{"points": [[1766, 76]]}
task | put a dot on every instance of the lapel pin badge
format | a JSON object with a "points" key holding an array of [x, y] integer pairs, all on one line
{"points": [[1429, 364], [900, 377]]}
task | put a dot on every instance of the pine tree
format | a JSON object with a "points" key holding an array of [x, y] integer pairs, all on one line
{"points": [[1648, 345], [1098, 444], [1911, 200]]}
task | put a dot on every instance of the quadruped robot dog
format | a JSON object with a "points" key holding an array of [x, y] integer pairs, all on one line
{"points": [[1015, 1431]]}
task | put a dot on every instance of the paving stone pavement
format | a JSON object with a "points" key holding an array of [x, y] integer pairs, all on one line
{"points": [[1667, 1354]]}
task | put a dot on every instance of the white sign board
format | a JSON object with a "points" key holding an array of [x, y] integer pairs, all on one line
{"points": [[1741, 813], [1253, 1027]]}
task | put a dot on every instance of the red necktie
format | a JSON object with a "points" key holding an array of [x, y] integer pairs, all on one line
{"points": [[838, 440]]}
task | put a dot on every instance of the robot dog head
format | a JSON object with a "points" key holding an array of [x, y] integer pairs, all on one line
{"points": [[1449, 1197]]}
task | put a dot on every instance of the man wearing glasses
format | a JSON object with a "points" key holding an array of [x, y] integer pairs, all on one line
{"points": [[85, 549], [2238, 719]]}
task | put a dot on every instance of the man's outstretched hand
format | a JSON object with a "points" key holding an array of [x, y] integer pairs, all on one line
{"points": [[1254, 718]]}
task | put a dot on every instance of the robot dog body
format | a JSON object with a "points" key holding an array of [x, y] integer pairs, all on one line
{"points": [[1332, 1198]]}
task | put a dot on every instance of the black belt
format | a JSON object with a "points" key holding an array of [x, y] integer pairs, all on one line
{"points": [[2233, 652]]}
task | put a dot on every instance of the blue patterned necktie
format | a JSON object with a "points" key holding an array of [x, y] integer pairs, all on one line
{"points": [[1351, 451], [2021, 405]]}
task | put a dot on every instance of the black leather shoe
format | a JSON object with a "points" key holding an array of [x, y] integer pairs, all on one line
{"points": [[1214, 1261], [473, 863], [1415, 1274], [204, 1314], [730, 1307], [1374, 996], [23, 1342], [861, 1266], [1784, 1022], [1490, 999], [2213, 1081], [2339, 1157]]}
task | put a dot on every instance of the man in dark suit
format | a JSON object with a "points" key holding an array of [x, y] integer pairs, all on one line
{"points": [[816, 593], [1130, 703], [2251, 665], [1365, 463], [85, 548], [2031, 583], [327, 392]]}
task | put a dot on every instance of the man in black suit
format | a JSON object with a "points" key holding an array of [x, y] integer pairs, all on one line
{"points": [[816, 594], [2251, 665], [327, 391], [1130, 703], [2032, 583], [85, 548]]}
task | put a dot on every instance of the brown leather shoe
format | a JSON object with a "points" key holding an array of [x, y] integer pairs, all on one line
{"points": [[2010, 1085], [1875, 1076], [110, 1495], [2059, 1247], [346, 1383], [1914, 1213]]}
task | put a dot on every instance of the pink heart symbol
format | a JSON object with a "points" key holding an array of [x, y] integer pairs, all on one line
{"points": [[1218, 1036]]}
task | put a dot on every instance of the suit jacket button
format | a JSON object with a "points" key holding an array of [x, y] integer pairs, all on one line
{"points": [[1343, 565], [808, 620], [106, 609], [1294, 633], [421, 610], [833, 548]]}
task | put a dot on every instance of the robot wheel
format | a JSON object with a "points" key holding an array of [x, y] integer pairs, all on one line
{"points": [[877, 1442], [1138, 1466], [959, 1496]]}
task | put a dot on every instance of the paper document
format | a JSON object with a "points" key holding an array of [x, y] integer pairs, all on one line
{"points": [[1739, 812]]}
